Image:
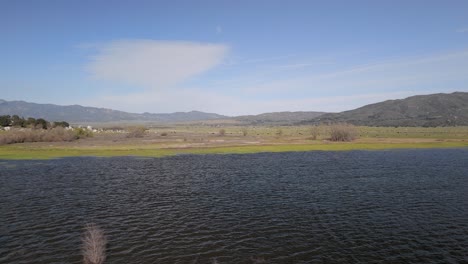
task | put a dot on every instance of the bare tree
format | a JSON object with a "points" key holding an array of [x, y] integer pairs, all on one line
{"points": [[314, 131], [94, 245]]}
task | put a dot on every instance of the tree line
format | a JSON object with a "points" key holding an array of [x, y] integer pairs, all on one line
{"points": [[39, 123]]}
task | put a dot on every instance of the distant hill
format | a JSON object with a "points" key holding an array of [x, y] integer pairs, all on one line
{"points": [[80, 114], [421, 110], [278, 117]]}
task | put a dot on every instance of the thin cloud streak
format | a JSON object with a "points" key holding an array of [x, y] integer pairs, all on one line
{"points": [[303, 65], [154, 65], [403, 74], [268, 59]]}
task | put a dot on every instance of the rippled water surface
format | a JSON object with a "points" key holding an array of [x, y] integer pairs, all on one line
{"points": [[406, 206]]}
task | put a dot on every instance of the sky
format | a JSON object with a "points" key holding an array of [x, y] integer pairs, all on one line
{"points": [[230, 57]]}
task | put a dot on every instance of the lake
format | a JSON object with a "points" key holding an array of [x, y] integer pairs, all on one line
{"points": [[399, 206]]}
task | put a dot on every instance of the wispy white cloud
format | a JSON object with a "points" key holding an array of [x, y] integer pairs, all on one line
{"points": [[462, 30], [154, 65], [252, 90]]}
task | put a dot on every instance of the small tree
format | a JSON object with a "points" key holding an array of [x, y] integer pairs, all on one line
{"points": [[61, 124], [41, 123], [5, 120], [17, 121], [30, 122]]}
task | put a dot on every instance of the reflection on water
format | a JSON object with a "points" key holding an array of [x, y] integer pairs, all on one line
{"points": [[348, 207]]}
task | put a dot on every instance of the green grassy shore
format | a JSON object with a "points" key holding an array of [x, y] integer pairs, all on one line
{"points": [[19, 151], [193, 139]]}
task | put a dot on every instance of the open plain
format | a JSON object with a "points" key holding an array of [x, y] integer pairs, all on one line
{"points": [[169, 140]]}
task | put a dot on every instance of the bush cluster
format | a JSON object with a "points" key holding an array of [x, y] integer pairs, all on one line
{"points": [[36, 135], [57, 134], [82, 133], [343, 132], [222, 132], [136, 132]]}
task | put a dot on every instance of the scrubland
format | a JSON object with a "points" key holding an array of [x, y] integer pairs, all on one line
{"points": [[156, 141]]}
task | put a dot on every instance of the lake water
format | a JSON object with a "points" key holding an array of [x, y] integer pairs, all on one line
{"points": [[401, 206]]}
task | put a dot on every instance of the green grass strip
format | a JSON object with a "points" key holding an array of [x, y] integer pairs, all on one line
{"points": [[19, 151]]}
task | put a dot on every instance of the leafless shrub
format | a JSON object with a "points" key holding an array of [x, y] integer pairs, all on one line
{"points": [[136, 132], [163, 134], [279, 132], [314, 131], [222, 132], [58, 134], [343, 132], [94, 245], [21, 135], [244, 132]]}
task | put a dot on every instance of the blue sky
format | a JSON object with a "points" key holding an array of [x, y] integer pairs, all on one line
{"points": [[231, 57]]}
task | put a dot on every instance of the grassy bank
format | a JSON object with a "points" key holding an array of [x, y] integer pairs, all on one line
{"points": [[208, 139], [35, 151]]}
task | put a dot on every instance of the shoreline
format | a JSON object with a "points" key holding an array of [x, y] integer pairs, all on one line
{"points": [[32, 151]]}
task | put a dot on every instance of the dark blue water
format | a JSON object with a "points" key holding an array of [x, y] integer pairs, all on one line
{"points": [[406, 206]]}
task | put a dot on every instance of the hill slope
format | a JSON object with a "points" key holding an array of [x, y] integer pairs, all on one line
{"points": [[77, 113], [421, 110], [278, 117]]}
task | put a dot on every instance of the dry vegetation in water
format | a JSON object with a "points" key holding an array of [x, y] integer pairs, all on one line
{"points": [[94, 245]]}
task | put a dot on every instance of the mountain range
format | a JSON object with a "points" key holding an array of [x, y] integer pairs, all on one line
{"points": [[421, 110], [82, 114]]}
